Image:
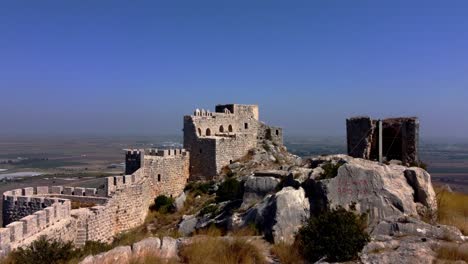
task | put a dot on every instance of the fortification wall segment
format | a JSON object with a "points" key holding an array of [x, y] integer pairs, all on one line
{"points": [[122, 205], [168, 171], [18, 232]]}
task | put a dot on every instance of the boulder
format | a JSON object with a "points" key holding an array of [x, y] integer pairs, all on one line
{"points": [[280, 215], [180, 201], [377, 189], [404, 239], [401, 226], [121, 254], [146, 246], [255, 188], [169, 248], [188, 224]]}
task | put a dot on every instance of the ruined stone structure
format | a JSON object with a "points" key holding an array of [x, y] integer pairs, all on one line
{"points": [[216, 139], [211, 140], [400, 137], [121, 205]]}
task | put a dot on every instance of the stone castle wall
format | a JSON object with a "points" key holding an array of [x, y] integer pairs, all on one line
{"points": [[122, 205], [216, 139]]}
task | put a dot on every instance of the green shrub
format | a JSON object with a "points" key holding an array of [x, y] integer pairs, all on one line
{"points": [[338, 235], [230, 189], [43, 251], [198, 188], [163, 204], [330, 170], [209, 209]]}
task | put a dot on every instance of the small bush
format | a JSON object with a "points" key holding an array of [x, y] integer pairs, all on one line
{"points": [[209, 209], [230, 189], [330, 170], [198, 188], [163, 204], [214, 250], [338, 235], [43, 251]]}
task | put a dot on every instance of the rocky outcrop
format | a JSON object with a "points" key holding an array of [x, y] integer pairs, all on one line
{"points": [[279, 215], [404, 239], [117, 255], [266, 156], [377, 189], [166, 248], [255, 188]]}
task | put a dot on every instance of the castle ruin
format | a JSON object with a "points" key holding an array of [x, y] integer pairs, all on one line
{"points": [[212, 140], [400, 138], [216, 139]]}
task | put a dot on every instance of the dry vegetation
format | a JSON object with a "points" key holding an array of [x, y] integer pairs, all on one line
{"points": [[228, 250], [287, 254], [450, 252], [453, 209]]}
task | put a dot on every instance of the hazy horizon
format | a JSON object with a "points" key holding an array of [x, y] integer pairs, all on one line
{"points": [[136, 68]]}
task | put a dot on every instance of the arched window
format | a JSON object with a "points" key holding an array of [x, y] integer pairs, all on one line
{"points": [[277, 132], [230, 128], [199, 132], [246, 125], [221, 129], [208, 132]]}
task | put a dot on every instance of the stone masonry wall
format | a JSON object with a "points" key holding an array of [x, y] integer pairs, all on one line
{"points": [[125, 207], [215, 139]]}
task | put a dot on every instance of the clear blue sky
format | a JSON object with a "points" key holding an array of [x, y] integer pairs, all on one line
{"points": [[113, 67]]}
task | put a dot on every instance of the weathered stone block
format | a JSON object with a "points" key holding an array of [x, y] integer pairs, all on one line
{"points": [[90, 192], [28, 191], [50, 215], [56, 189], [29, 225], [79, 191], [42, 190], [41, 219], [5, 237], [16, 231], [68, 190]]}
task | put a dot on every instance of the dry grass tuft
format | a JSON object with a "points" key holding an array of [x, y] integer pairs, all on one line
{"points": [[214, 250], [452, 209], [211, 231], [448, 252], [287, 254]]}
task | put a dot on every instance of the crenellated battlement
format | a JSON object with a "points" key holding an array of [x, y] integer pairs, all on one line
{"points": [[53, 210], [166, 152]]}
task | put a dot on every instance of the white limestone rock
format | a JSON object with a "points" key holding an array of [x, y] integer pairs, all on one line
{"points": [[280, 215], [378, 189], [255, 188], [146, 246]]}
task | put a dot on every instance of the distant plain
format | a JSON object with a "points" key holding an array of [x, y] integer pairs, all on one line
{"points": [[72, 160]]}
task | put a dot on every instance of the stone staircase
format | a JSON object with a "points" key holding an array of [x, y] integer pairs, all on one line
{"points": [[80, 238]]}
